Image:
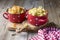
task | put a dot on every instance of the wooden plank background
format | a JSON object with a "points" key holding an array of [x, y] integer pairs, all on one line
{"points": [[52, 6]]}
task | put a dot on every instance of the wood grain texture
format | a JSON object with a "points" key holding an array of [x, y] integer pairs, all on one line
{"points": [[5, 4], [28, 4], [52, 6], [57, 10]]}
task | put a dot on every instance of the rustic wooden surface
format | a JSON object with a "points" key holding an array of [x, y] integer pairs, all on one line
{"points": [[52, 6]]}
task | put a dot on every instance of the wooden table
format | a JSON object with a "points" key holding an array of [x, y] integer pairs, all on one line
{"points": [[53, 7]]}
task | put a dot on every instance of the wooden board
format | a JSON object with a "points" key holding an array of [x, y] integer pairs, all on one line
{"points": [[53, 13]]}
